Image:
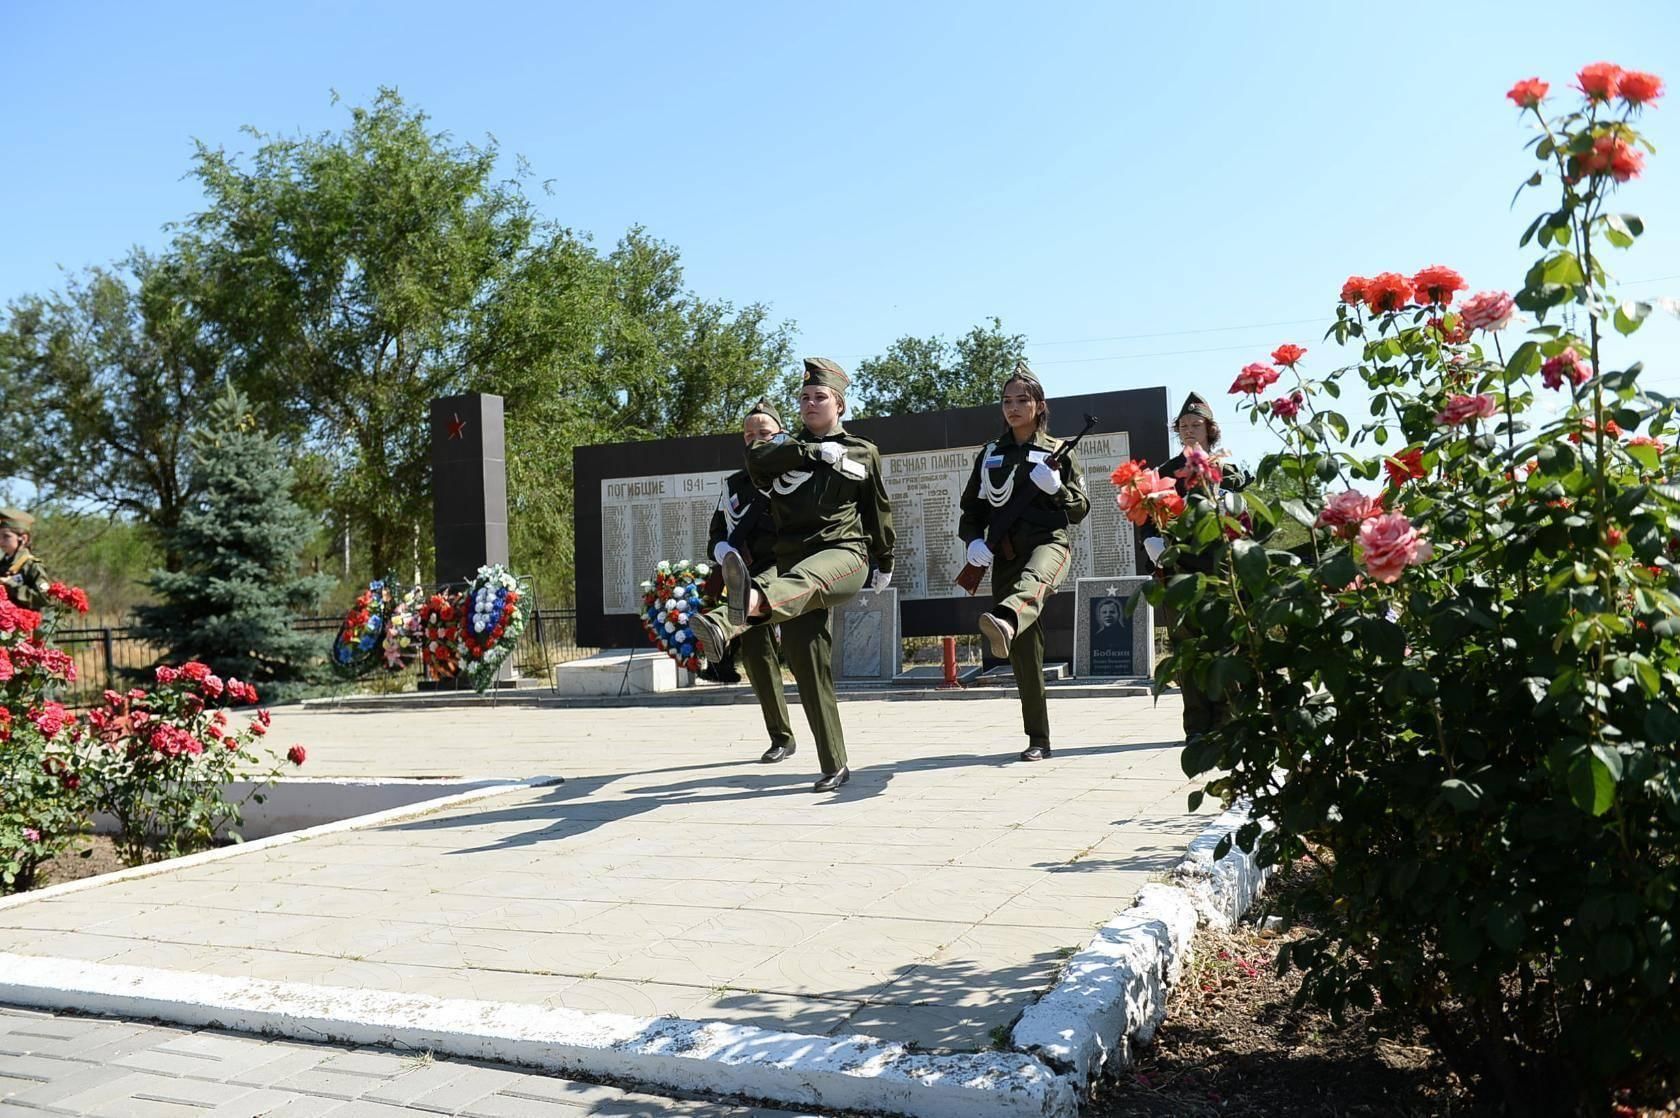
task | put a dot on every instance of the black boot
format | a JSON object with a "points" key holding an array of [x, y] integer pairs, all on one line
{"points": [[832, 781], [1035, 752], [779, 752]]}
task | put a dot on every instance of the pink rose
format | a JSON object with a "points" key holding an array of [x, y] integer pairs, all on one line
{"points": [[1565, 366], [1488, 310], [1199, 466], [1287, 407], [1462, 409], [1346, 511], [31, 834], [1390, 545], [1253, 378]]}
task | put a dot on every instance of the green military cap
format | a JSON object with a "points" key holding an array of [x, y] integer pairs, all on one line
{"points": [[17, 520], [1195, 405], [765, 407], [823, 373]]}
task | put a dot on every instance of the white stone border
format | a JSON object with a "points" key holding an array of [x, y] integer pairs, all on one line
{"points": [[216, 854], [714, 1058], [1113, 994]]}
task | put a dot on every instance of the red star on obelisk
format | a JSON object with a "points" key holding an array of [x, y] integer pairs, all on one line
{"points": [[457, 426]]}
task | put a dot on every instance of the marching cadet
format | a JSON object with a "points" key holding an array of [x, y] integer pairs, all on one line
{"points": [[833, 523], [742, 527], [21, 573], [1041, 540]]}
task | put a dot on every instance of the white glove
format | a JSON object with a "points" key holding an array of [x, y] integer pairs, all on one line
{"points": [[831, 452], [1231, 501], [1046, 478], [881, 581], [1152, 547], [720, 551], [979, 554]]}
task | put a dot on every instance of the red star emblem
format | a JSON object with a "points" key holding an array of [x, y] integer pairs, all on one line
{"points": [[457, 426]]}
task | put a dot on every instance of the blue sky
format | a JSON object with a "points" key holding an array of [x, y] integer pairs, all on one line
{"points": [[1152, 196]]}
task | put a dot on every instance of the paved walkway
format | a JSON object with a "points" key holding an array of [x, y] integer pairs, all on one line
{"points": [[930, 901], [92, 1068]]}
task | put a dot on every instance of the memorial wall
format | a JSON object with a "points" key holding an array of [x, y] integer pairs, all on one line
{"points": [[630, 517]]}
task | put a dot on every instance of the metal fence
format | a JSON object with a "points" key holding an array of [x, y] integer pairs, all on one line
{"points": [[115, 657]]}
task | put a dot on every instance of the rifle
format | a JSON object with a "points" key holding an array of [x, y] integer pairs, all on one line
{"points": [[1003, 519]]}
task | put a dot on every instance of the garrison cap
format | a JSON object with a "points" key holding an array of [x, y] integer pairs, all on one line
{"points": [[17, 520], [765, 407], [1195, 405], [823, 373]]}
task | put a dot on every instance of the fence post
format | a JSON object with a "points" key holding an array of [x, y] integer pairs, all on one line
{"points": [[948, 650], [110, 657]]}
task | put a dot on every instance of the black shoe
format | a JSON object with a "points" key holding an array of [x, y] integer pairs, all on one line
{"points": [[1035, 753], [779, 753], [833, 780], [737, 581], [998, 633], [712, 634]]}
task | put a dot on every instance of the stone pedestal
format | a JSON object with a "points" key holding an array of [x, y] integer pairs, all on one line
{"points": [[866, 641], [469, 485], [1110, 641], [617, 671]]}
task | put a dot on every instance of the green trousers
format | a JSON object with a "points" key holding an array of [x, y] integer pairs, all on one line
{"points": [[801, 593], [758, 652], [1020, 587]]}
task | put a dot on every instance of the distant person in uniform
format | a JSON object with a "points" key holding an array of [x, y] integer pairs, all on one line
{"points": [[742, 526], [21, 573], [1041, 541], [834, 535], [1195, 427]]}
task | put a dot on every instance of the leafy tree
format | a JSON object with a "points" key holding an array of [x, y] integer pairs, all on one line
{"points": [[929, 374], [112, 374], [231, 603]]}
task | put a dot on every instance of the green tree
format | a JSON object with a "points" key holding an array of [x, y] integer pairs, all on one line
{"points": [[110, 375], [359, 275], [231, 603], [930, 374]]}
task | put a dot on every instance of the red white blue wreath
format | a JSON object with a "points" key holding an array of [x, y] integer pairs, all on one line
{"points": [[670, 599]]}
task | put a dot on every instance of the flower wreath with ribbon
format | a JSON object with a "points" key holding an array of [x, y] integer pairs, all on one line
{"points": [[356, 648], [440, 631], [493, 616], [669, 600], [400, 645]]}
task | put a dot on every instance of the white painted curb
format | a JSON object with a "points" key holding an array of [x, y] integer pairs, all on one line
{"points": [[1113, 994], [845, 1073], [378, 818]]}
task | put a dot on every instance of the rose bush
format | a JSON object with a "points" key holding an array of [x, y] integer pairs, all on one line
{"points": [[1462, 694], [160, 761]]}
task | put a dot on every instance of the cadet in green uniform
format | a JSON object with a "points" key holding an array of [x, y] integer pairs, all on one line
{"points": [[1042, 541], [833, 523], [21, 573], [742, 526], [1195, 427]]}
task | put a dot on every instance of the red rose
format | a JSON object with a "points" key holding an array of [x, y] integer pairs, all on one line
{"points": [[1353, 291], [1565, 366], [1126, 471], [1599, 81], [1527, 93], [1463, 409], [1614, 537], [1436, 284], [1639, 88], [1387, 291], [1406, 465], [1254, 378], [1287, 354], [1287, 407], [296, 754]]}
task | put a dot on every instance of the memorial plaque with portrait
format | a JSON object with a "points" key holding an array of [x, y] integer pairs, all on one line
{"points": [[1111, 637]]}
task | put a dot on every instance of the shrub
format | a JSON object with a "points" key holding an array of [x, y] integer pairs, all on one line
{"points": [[1465, 686]]}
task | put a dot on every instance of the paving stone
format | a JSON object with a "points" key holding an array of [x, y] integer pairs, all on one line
{"points": [[477, 1083], [319, 1080], [511, 1106], [417, 1082]]}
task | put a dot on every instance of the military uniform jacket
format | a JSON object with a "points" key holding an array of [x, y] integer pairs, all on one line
{"points": [[31, 593], [743, 518], [1000, 469], [817, 506]]}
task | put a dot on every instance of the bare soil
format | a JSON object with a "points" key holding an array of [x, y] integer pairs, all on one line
{"points": [[91, 856]]}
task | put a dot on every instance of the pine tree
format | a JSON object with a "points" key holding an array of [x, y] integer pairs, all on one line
{"points": [[231, 603]]}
